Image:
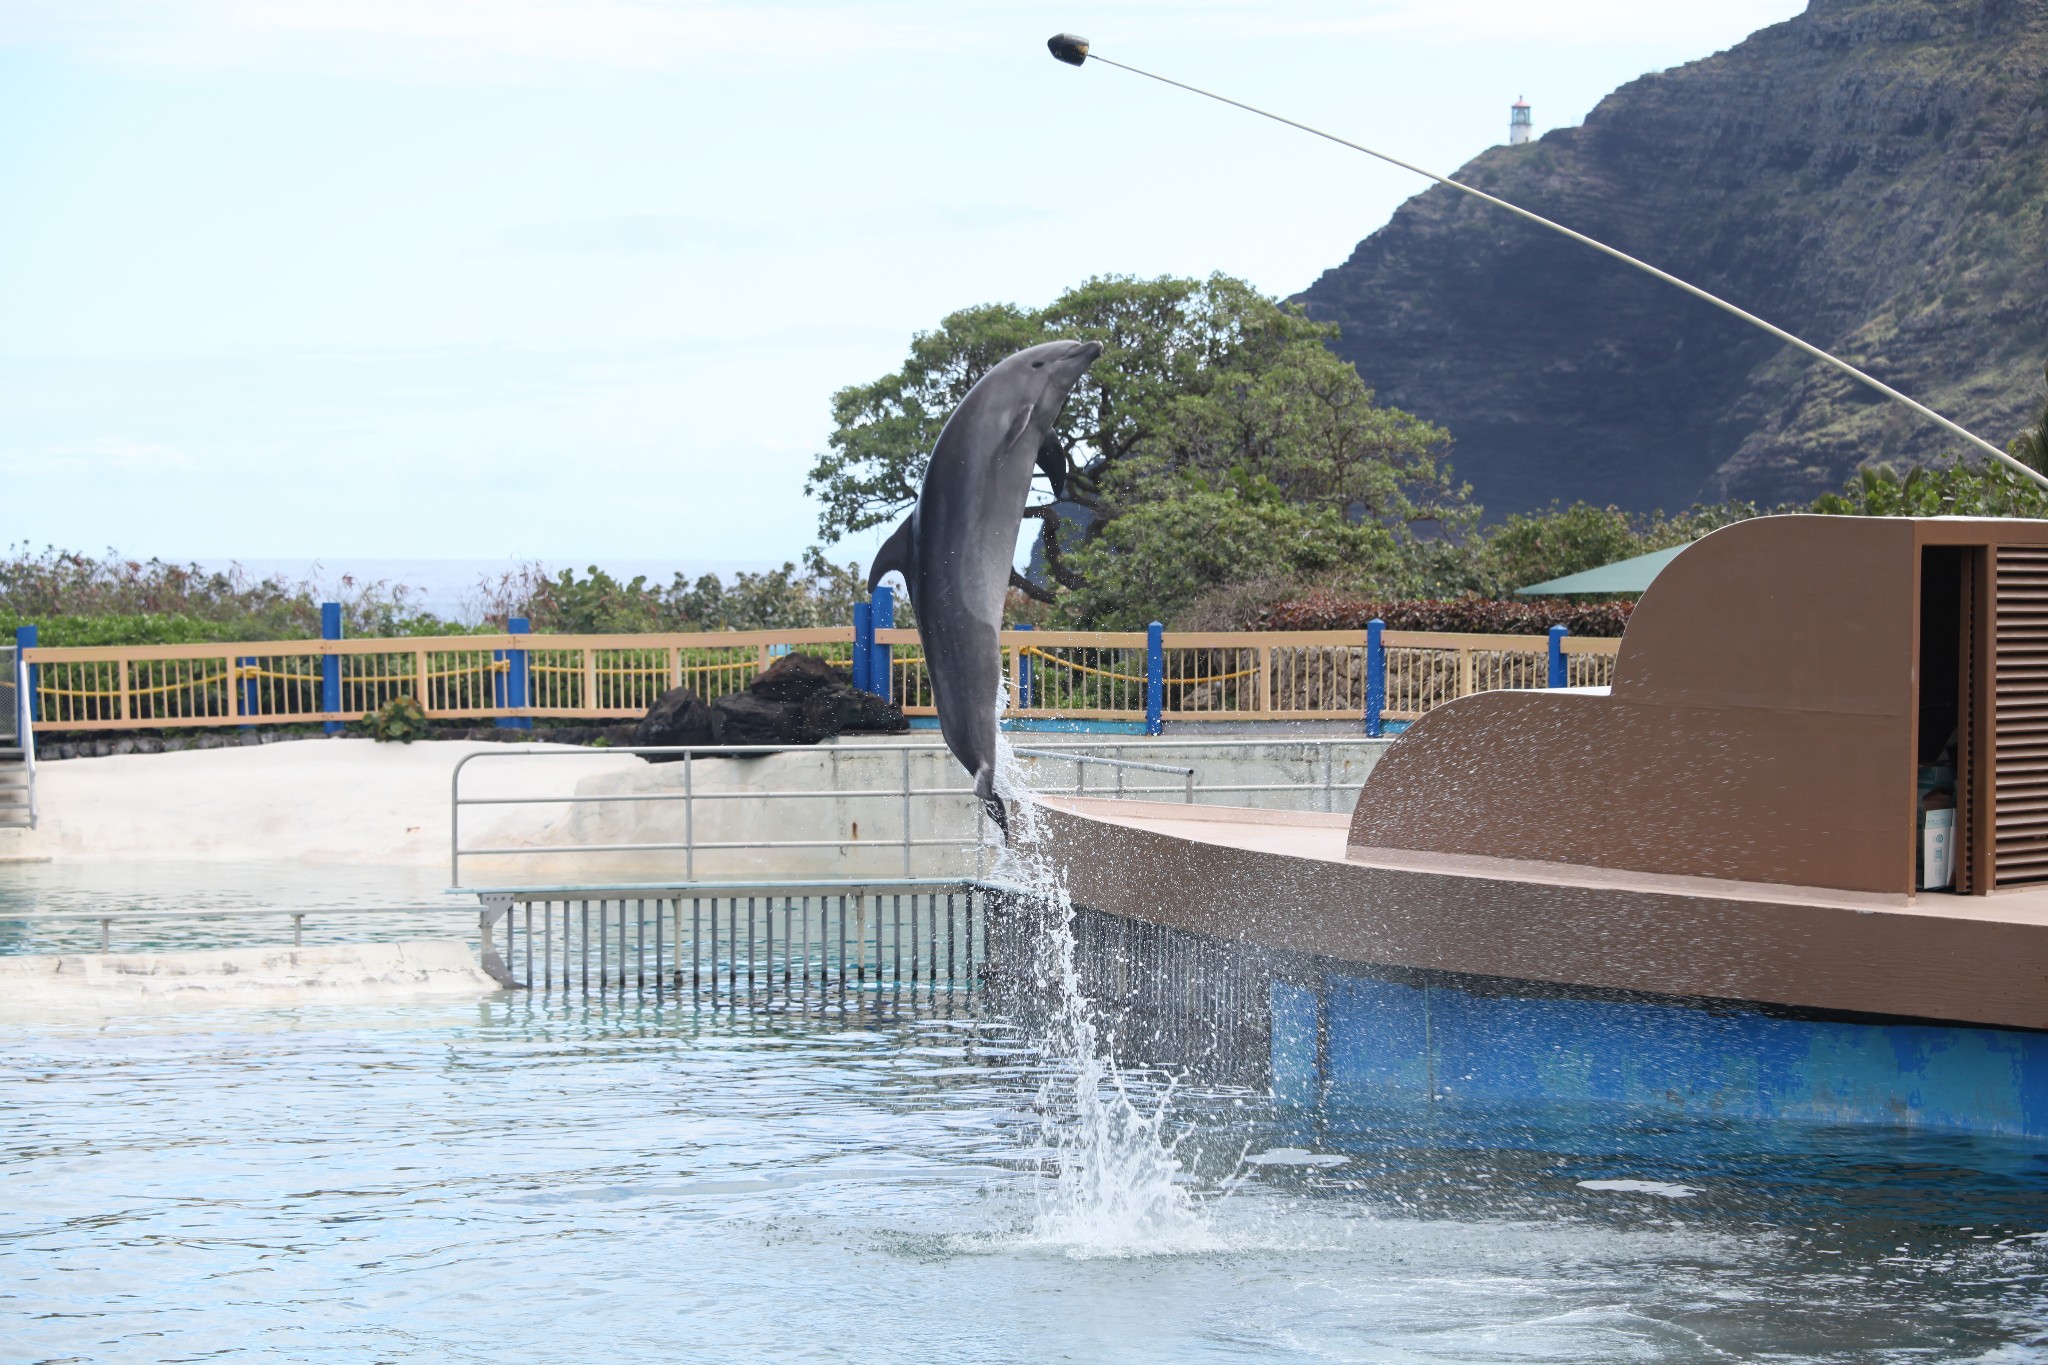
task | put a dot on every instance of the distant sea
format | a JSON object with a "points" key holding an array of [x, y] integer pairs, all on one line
{"points": [[449, 587]]}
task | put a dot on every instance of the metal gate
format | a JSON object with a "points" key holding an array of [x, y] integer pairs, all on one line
{"points": [[762, 946]]}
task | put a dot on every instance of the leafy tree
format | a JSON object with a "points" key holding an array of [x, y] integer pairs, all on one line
{"points": [[819, 593], [1203, 385], [1156, 560], [1536, 547], [1303, 424], [2031, 446], [1947, 488]]}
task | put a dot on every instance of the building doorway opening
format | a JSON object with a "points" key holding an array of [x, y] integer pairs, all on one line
{"points": [[1946, 723]]}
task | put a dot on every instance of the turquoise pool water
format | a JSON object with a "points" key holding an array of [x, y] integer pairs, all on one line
{"points": [[531, 1180]]}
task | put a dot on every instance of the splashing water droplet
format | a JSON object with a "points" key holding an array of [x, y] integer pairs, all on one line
{"points": [[1117, 1188]]}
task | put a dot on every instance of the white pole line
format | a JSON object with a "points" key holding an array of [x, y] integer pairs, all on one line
{"points": [[1816, 352]]}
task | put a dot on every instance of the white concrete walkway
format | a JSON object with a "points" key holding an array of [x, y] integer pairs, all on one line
{"points": [[316, 800]]}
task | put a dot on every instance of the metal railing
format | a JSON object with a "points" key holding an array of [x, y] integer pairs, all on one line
{"points": [[902, 797], [1117, 766], [298, 915], [775, 944], [919, 812], [1083, 675], [18, 807], [772, 943], [11, 666]]}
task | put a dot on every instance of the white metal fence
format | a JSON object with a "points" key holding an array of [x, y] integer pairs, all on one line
{"points": [[702, 816]]}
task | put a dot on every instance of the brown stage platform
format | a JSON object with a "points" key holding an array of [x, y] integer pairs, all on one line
{"points": [[1287, 880]]}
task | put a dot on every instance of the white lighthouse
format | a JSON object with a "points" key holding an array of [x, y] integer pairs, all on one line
{"points": [[1518, 123]]}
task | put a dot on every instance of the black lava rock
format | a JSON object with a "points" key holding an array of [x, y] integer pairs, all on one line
{"points": [[799, 699], [841, 710], [797, 678], [749, 718], [680, 717]]}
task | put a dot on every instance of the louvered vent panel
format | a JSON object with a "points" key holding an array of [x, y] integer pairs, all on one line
{"points": [[2019, 771]]}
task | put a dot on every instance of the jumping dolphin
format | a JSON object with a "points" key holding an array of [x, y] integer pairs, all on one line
{"points": [[955, 548]]}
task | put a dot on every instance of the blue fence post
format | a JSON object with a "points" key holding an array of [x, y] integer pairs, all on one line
{"points": [[1155, 679], [878, 655], [1375, 677], [1557, 673], [25, 638], [863, 647], [330, 666], [1023, 673], [247, 668], [517, 695]]}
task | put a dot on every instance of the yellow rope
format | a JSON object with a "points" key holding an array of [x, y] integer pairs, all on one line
{"points": [[655, 671], [44, 689], [1033, 651], [661, 670], [250, 673]]}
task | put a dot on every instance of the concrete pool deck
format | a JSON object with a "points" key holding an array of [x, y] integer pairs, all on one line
{"points": [[331, 800]]}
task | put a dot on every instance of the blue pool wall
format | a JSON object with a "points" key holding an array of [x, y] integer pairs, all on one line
{"points": [[1365, 1041]]}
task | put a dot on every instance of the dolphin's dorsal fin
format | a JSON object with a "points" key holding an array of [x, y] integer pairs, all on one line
{"points": [[898, 552], [1020, 422]]}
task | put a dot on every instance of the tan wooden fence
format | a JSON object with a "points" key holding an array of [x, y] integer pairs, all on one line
{"points": [[1081, 675]]}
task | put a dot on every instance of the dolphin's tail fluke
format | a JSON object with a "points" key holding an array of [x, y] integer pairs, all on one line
{"points": [[985, 789]]}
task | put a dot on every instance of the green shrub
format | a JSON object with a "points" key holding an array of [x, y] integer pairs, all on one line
{"points": [[127, 628], [1464, 616], [78, 599], [401, 719]]}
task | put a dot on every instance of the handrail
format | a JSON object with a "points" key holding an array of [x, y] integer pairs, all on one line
{"points": [[689, 754], [22, 731], [1081, 762], [903, 791], [12, 677], [106, 918]]}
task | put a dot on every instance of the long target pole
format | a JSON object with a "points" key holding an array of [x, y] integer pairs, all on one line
{"points": [[1074, 51]]}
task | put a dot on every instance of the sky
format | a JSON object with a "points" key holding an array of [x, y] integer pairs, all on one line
{"points": [[575, 280]]}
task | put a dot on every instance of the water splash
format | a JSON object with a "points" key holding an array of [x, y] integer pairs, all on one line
{"points": [[1117, 1188]]}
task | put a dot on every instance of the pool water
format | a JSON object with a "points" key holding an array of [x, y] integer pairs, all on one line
{"points": [[526, 1179], [205, 905]]}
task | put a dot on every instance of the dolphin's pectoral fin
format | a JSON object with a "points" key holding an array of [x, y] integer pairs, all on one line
{"points": [[898, 553], [985, 789], [1053, 460], [1020, 422]]}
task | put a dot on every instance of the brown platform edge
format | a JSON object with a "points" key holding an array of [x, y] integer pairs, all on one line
{"points": [[1986, 965]]}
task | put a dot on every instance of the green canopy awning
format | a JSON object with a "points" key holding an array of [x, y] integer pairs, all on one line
{"points": [[1629, 576]]}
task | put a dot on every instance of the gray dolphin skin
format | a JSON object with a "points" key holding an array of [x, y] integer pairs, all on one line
{"points": [[955, 548]]}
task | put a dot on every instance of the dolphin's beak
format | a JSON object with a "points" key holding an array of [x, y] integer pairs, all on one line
{"points": [[1088, 352]]}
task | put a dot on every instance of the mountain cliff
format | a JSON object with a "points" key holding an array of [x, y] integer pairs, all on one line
{"points": [[1871, 175]]}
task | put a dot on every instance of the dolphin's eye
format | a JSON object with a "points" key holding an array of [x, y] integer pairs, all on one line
{"points": [[1038, 364]]}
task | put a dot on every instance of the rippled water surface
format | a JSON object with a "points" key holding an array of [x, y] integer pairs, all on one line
{"points": [[521, 1180], [183, 905]]}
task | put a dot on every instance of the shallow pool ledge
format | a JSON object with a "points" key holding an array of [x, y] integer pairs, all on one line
{"points": [[348, 973]]}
